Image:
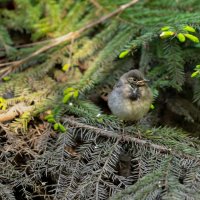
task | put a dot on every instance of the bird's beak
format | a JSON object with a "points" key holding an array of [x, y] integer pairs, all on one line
{"points": [[142, 82]]}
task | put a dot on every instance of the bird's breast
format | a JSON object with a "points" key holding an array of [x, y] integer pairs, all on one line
{"points": [[127, 109]]}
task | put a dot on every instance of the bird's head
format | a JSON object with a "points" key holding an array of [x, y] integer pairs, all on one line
{"points": [[135, 77]]}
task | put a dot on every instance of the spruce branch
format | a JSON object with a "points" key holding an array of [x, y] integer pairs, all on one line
{"points": [[124, 137], [96, 4], [65, 38], [32, 44], [105, 167]]}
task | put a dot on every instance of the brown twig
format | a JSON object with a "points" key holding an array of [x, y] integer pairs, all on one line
{"points": [[14, 112], [65, 38]]}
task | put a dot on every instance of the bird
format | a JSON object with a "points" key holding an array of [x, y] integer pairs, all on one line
{"points": [[131, 96]]}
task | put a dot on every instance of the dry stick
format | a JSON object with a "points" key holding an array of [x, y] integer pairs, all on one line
{"points": [[125, 137], [14, 112], [67, 37]]}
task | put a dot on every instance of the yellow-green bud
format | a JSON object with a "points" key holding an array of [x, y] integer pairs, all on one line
{"points": [[194, 74], [190, 29], [51, 120], [152, 107], [56, 126], [165, 28], [123, 54], [181, 37], [67, 97], [6, 78], [166, 34], [62, 128], [192, 38]]}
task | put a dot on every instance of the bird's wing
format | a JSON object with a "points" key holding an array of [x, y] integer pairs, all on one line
{"points": [[118, 84]]}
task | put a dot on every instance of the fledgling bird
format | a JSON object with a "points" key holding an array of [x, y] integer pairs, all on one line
{"points": [[131, 97]]}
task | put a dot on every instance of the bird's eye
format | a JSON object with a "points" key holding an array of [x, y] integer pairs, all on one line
{"points": [[131, 79]]}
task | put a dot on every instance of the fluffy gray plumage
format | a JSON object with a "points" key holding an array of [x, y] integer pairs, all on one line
{"points": [[131, 97]]}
